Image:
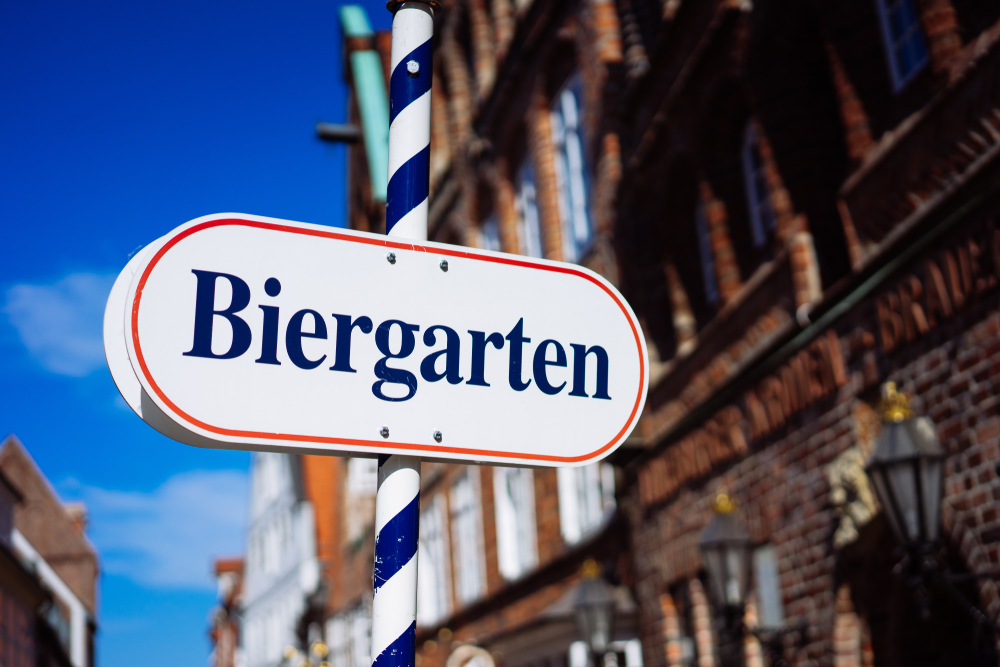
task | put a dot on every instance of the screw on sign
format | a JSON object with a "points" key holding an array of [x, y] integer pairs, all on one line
{"points": [[237, 331]]}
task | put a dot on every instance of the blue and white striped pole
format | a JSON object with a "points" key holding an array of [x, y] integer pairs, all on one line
{"points": [[394, 608], [410, 121], [397, 503]]}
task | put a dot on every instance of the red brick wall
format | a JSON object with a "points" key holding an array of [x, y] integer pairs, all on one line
{"points": [[952, 372]]}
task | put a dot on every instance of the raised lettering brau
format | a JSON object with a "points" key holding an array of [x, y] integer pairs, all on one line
{"points": [[437, 365]]}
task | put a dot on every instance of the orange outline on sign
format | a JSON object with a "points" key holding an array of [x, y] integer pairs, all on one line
{"points": [[387, 243]]}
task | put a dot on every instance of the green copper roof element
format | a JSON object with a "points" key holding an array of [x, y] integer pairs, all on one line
{"points": [[355, 21], [373, 102], [369, 87]]}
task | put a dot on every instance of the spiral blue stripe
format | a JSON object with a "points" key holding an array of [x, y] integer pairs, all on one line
{"points": [[396, 543], [394, 603], [408, 187], [400, 653], [404, 88]]}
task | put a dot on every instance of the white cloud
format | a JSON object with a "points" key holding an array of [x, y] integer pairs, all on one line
{"points": [[61, 323], [168, 537]]}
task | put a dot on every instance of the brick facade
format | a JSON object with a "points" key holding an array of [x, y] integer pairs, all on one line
{"points": [[44, 551], [853, 238], [50, 528]]}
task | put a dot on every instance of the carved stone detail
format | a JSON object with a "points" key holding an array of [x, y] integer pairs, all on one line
{"points": [[850, 489]]}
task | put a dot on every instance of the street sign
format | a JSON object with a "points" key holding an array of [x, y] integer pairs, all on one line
{"points": [[246, 332]]}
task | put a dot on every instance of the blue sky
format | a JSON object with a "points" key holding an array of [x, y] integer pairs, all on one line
{"points": [[119, 121]]}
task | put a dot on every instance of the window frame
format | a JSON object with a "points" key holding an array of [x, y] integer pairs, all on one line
{"points": [[709, 282], [516, 529], [762, 227], [434, 571], [359, 497], [899, 78], [529, 223], [573, 171], [586, 500], [459, 515], [489, 234]]}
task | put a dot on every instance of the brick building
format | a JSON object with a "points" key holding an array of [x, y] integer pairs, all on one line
{"points": [[799, 198], [500, 548], [48, 570]]}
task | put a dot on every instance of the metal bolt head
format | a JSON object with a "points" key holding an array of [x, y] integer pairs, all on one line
{"points": [[444, 265], [384, 431], [413, 68], [437, 436], [391, 257]]}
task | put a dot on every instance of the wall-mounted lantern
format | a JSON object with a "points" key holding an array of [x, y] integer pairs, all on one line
{"points": [[594, 608], [906, 470]]}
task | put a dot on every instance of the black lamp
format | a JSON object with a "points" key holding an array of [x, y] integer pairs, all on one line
{"points": [[595, 609], [726, 549], [906, 470]]}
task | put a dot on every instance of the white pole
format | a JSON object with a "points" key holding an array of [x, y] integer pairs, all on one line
{"points": [[397, 502]]}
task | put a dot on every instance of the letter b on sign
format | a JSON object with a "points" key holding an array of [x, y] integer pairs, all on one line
{"points": [[204, 316]]}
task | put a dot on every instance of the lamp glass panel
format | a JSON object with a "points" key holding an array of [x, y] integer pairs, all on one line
{"points": [[716, 573], [584, 623], [930, 473], [735, 575], [579, 654], [903, 483], [601, 634], [877, 475]]}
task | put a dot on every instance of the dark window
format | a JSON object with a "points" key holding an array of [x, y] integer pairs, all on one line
{"points": [[572, 173], [759, 209], [529, 226], [489, 234], [904, 41], [707, 261]]}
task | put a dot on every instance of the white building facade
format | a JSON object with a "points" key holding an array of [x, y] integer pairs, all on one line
{"points": [[282, 568]]}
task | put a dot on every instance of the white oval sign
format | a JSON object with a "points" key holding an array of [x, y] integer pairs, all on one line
{"points": [[256, 333]]}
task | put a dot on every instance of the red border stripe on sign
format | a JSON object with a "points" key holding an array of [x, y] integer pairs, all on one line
{"points": [[375, 444]]}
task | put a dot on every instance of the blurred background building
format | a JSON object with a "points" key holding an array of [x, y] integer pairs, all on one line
{"points": [[799, 198], [48, 570], [224, 619]]}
